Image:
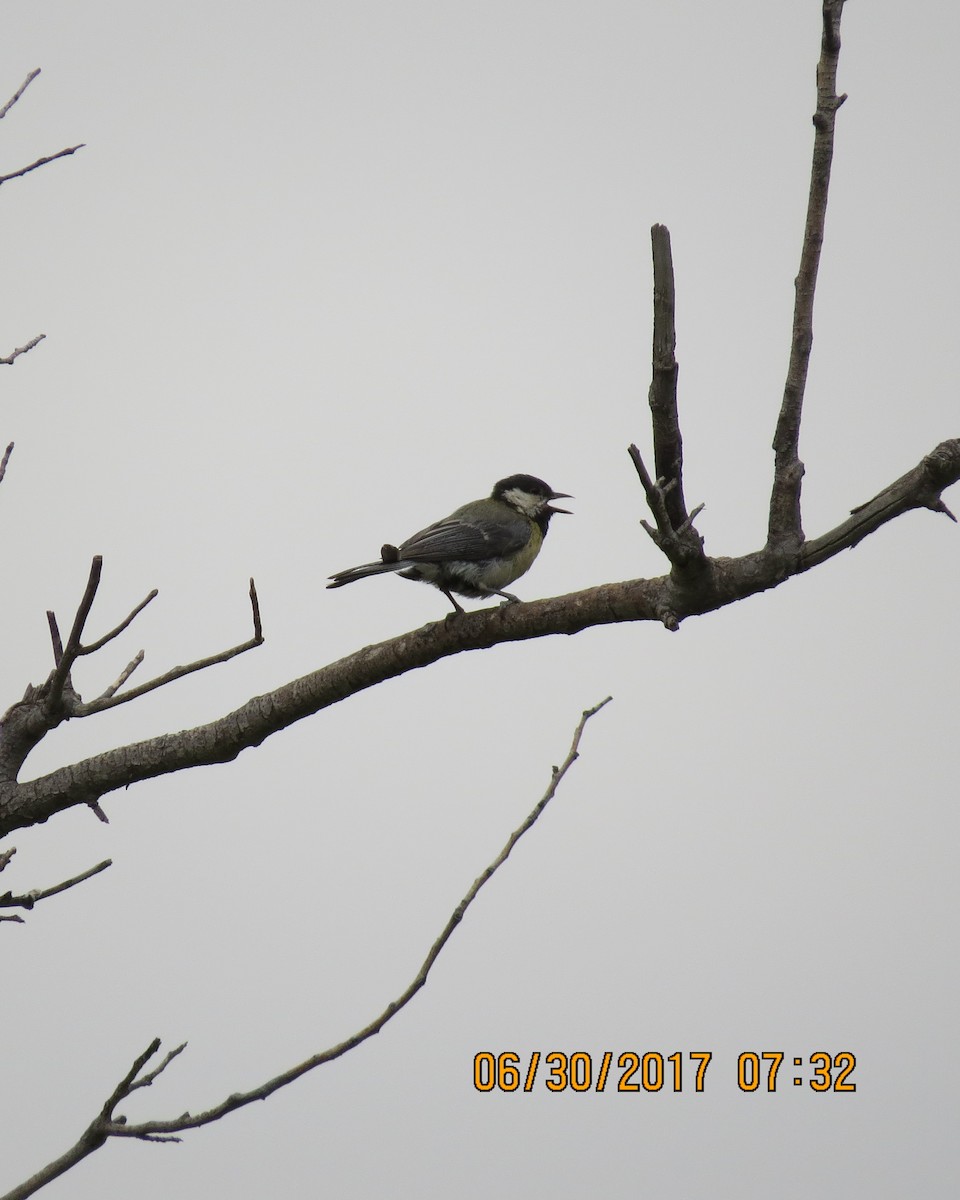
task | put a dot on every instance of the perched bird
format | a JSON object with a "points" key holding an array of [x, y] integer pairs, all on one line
{"points": [[479, 548]]}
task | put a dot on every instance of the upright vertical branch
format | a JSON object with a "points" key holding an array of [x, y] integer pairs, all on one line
{"points": [[674, 533], [785, 531], [667, 442]]}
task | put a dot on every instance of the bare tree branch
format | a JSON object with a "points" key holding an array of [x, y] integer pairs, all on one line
{"points": [[671, 599], [29, 899], [106, 1124], [102, 703], [656, 494], [709, 584], [19, 92], [96, 1133], [59, 704], [9, 360], [919, 488], [122, 678], [255, 605], [110, 700], [147, 1080], [674, 533], [72, 648], [665, 599], [785, 532], [5, 460], [667, 442], [41, 162], [682, 545], [108, 637], [55, 637]]}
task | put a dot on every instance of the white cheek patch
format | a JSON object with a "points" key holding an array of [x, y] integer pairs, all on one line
{"points": [[524, 502]]}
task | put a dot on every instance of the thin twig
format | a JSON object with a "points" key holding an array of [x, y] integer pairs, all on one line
{"points": [[19, 92], [94, 806], [240, 1099], [655, 499], [5, 460], [108, 637], [29, 899], [5, 856], [109, 699], [41, 162], [55, 637], [688, 523], [147, 1080], [104, 702], [8, 361], [682, 545], [785, 531], [122, 678], [65, 657]]}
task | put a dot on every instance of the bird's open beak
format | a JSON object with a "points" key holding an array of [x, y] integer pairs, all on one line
{"points": [[560, 496]]}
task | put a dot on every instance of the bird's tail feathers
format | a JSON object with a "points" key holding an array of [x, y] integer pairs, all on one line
{"points": [[341, 578]]}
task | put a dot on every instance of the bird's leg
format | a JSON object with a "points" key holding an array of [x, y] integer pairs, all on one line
{"points": [[508, 597], [449, 596]]}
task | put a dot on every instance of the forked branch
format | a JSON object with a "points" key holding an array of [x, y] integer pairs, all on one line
{"points": [[109, 700], [108, 1124], [63, 702]]}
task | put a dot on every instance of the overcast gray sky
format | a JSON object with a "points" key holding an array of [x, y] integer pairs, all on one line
{"points": [[323, 272]]}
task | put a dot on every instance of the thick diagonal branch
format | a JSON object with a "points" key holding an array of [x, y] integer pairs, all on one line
{"points": [[727, 580], [919, 488], [785, 530]]}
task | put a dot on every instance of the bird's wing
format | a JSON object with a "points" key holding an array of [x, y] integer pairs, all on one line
{"points": [[467, 540]]}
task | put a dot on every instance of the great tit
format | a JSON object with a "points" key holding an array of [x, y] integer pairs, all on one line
{"points": [[480, 548]]}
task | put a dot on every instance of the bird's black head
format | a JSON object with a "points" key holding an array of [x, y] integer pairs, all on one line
{"points": [[530, 496]]}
